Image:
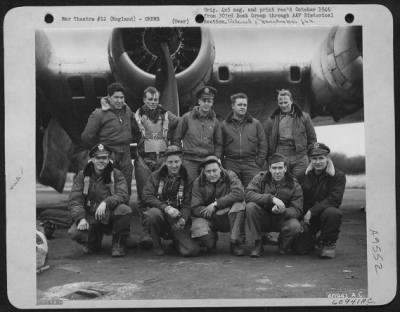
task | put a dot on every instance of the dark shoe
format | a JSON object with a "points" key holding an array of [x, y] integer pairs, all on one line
{"points": [[283, 251], [328, 250], [89, 250], [236, 249], [209, 241], [118, 247], [95, 238], [118, 252], [158, 251], [258, 249], [146, 242], [172, 247]]}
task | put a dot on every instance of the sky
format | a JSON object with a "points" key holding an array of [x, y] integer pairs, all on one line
{"points": [[348, 139]]}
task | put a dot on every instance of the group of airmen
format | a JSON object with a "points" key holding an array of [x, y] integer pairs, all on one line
{"points": [[197, 176]]}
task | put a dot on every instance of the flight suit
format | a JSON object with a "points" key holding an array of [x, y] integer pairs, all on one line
{"points": [[152, 137], [160, 191], [259, 215], [229, 216], [323, 195], [88, 191]]}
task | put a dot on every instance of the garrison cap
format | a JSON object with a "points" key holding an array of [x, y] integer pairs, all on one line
{"points": [[210, 160], [100, 150], [275, 158], [318, 149], [173, 150], [206, 92]]}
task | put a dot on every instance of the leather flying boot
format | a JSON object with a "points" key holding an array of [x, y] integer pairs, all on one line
{"points": [[95, 237], [236, 249], [118, 246], [209, 241], [283, 247], [258, 249], [158, 249], [328, 250], [145, 240]]}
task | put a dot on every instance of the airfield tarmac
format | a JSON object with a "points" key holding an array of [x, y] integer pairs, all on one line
{"points": [[140, 275]]}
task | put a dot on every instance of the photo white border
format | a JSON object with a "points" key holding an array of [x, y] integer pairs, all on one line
{"points": [[19, 69]]}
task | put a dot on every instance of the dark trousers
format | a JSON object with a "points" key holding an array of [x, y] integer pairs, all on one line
{"points": [[192, 168], [245, 169], [258, 220], [161, 225], [123, 162], [119, 225], [328, 222], [296, 162]]}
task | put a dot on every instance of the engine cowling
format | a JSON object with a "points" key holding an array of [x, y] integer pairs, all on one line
{"points": [[337, 74], [134, 57]]}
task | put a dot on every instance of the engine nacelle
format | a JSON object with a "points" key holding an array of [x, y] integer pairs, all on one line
{"points": [[337, 74], [134, 54]]}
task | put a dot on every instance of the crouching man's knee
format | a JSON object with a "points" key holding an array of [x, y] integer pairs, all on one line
{"points": [[189, 250], [331, 215], [80, 237], [292, 226], [122, 210], [252, 209], [154, 216]]}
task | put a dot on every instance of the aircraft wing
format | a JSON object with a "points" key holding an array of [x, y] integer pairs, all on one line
{"points": [[73, 69]]}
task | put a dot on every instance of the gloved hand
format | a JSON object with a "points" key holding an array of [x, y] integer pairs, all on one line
{"points": [[172, 212]]}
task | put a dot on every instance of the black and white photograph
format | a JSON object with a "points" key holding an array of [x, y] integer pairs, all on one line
{"points": [[202, 165]]}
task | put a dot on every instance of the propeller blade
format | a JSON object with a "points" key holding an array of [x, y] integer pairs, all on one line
{"points": [[166, 81]]}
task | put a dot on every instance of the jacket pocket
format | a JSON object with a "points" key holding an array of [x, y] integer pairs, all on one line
{"points": [[252, 144]]}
